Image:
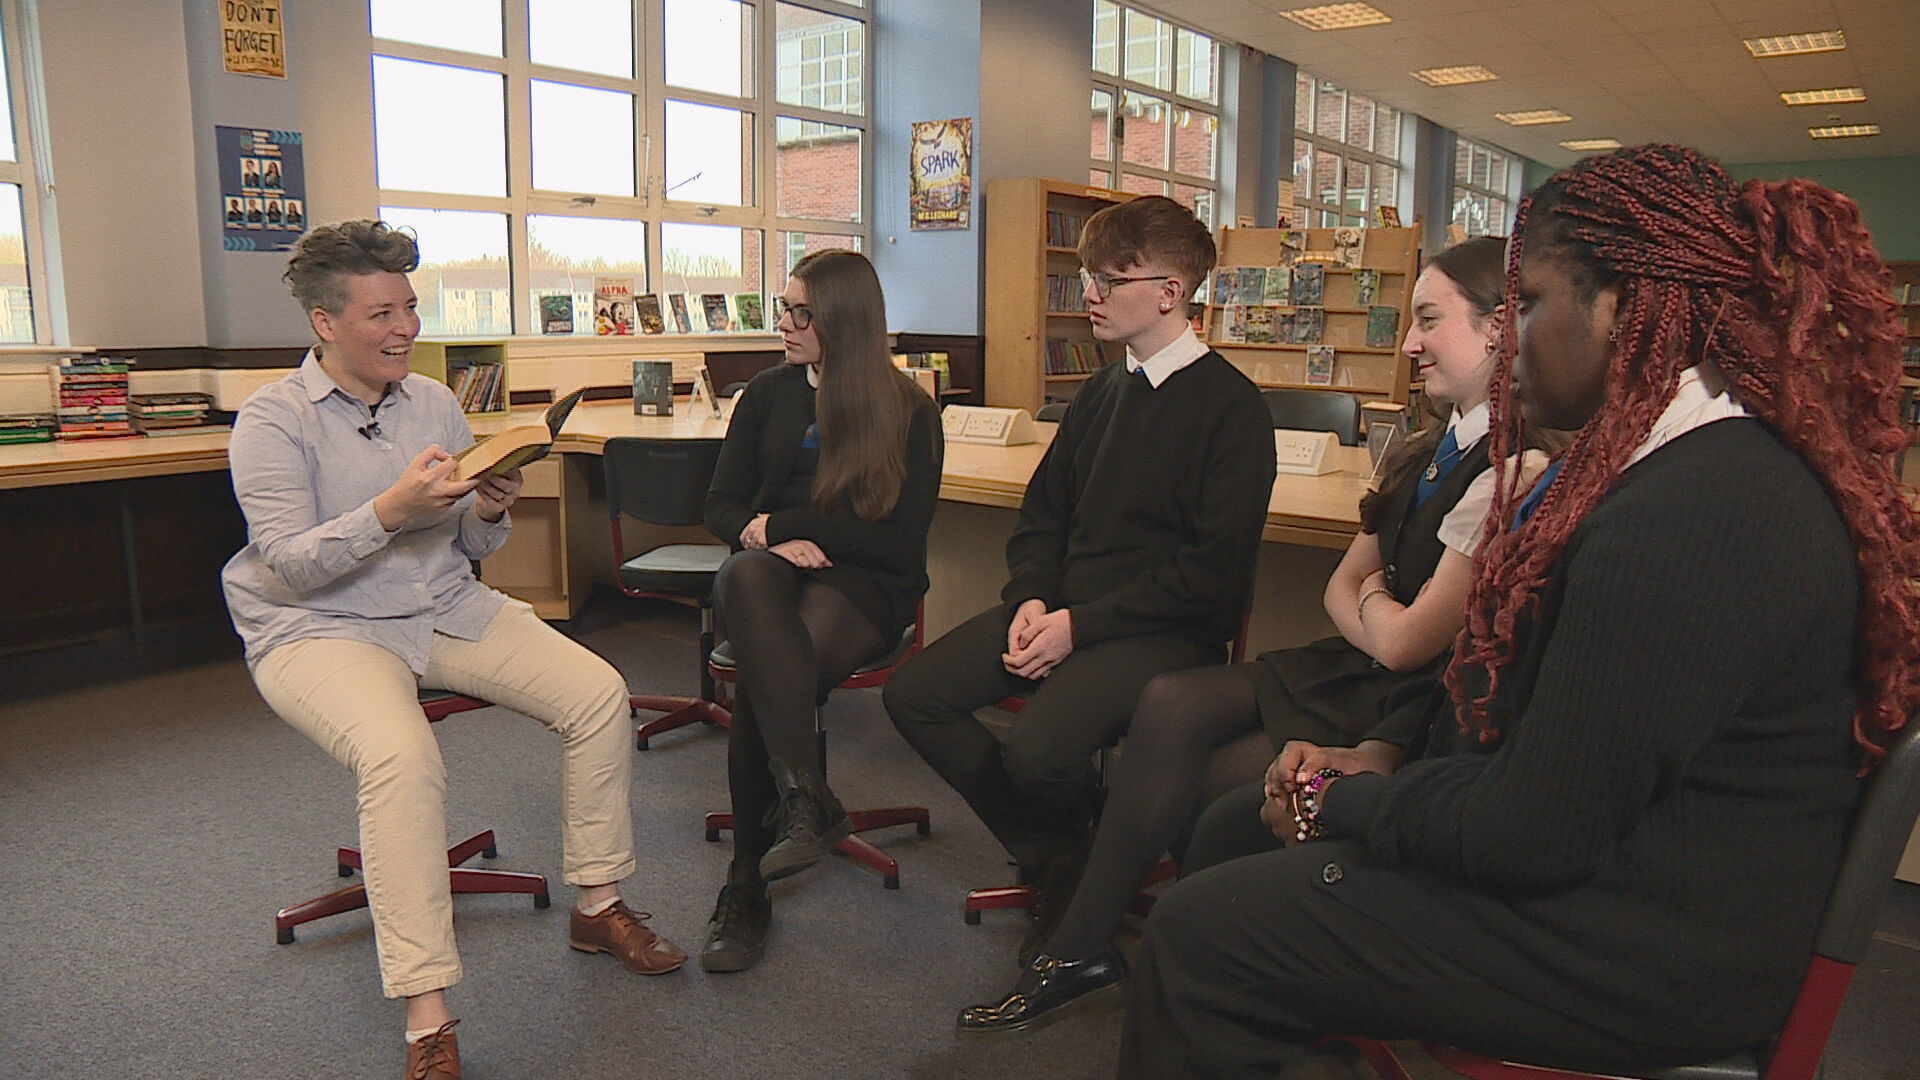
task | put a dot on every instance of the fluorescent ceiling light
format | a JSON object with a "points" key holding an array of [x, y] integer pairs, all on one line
{"points": [[1454, 76], [1337, 16], [1532, 116], [1795, 44], [1839, 95], [1844, 131], [1589, 146]]}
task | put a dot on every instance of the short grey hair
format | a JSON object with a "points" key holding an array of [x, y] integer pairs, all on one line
{"points": [[324, 257]]}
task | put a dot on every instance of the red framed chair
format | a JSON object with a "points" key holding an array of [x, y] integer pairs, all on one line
{"points": [[912, 640], [664, 482], [1021, 896], [438, 705], [1878, 834]]}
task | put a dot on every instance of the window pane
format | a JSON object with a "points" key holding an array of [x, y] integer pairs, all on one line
{"points": [[1194, 134], [1142, 185], [1196, 65], [816, 170], [16, 296], [1326, 179], [1144, 131], [1101, 127], [439, 128], [1480, 160], [1359, 176], [1330, 108], [709, 45], [1497, 172], [1303, 102], [709, 154], [709, 259], [1100, 178], [1197, 199], [8, 150], [467, 25], [1386, 186], [582, 139], [1386, 131], [1149, 52], [1360, 121], [1497, 216], [1462, 157], [462, 280], [554, 37], [1106, 32], [798, 245], [1329, 219], [1302, 166], [819, 60], [564, 254]]}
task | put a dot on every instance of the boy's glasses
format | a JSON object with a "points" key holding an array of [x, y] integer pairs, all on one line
{"points": [[801, 314], [1103, 284]]}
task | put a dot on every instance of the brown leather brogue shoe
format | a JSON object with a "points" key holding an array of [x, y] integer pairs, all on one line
{"points": [[436, 1057], [623, 932]]}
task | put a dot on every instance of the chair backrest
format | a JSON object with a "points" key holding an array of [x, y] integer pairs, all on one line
{"points": [[1882, 823], [659, 481], [732, 389], [1316, 410], [1052, 410]]}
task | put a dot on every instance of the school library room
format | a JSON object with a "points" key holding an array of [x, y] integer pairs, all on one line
{"points": [[469, 467]]}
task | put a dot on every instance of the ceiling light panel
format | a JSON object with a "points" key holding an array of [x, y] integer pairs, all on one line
{"points": [[1337, 16], [1454, 76], [1818, 41], [1839, 95], [1531, 117], [1844, 131], [1591, 146]]}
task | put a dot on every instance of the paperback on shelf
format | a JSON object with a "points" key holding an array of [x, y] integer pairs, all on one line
{"points": [[90, 398], [1309, 284], [1233, 325], [646, 311], [714, 306], [1065, 293], [1279, 287], [747, 312], [677, 305], [556, 313], [653, 388], [1252, 284], [1309, 325], [1063, 229], [1366, 287], [1320, 365], [479, 387], [613, 306], [1226, 286], [1260, 325], [1383, 327]]}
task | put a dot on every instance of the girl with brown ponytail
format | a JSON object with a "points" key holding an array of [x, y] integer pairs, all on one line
{"points": [[1695, 632]]}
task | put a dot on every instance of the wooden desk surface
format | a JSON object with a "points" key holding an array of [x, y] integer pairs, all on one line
{"points": [[1317, 511]]}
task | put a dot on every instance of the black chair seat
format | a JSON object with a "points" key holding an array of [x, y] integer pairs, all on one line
{"points": [[678, 568], [722, 655]]}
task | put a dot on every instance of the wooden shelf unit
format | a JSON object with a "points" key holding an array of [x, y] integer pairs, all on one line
{"points": [[1906, 283], [1019, 260], [442, 360], [1370, 372]]}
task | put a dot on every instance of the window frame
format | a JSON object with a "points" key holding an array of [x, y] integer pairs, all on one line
{"points": [[1305, 130], [651, 203], [1118, 86], [22, 62], [1461, 189]]}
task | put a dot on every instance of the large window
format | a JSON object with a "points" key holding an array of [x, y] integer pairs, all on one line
{"points": [[1346, 155], [1156, 108], [20, 280], [1483, 183], [690, 145]]}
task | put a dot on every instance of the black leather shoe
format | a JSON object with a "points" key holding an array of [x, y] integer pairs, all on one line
{"points": [[1047, 990], [809, 821], [737, 933]]}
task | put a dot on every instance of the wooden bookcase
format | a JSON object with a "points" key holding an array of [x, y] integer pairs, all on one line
{"points": [[1371, 373], [444, 360], [1906, 294], [1019, 261]]}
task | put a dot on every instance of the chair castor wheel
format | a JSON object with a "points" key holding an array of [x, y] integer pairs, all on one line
{"points": [[542, 901], [284, 937]]}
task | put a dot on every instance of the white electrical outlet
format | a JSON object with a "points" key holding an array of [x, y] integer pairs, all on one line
{"points": [[1303, 453]]}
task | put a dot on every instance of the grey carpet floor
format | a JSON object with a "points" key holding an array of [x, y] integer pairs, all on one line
{"points": [[154, 814]]}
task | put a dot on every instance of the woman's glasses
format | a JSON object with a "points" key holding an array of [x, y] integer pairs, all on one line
{"points": [[801, 314]]}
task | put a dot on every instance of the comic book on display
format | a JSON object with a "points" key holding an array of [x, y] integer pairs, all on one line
{"points": [[1383, 327], [1279, 286], [519, 445], [653, 388], [1309, 325], [1366, 287], [714, 306], [1320, 365], [1259, 326], [1309, 284], [613, 306], [1252, 284], [646, 311], [556, 313], [1226, 286], [748, 314]]}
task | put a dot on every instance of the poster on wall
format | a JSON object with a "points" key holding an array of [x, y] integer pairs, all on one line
{"points": [[252, 40], [263, 188], [941, 177]]}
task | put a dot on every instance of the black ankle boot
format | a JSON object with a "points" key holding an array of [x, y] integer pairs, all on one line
{"points": [[737, 933], [1046, 990], [808, 820]]}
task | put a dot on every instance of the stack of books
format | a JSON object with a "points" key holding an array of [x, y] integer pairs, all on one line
{"points": [[26, 427], [90, 397], [172, 414]]}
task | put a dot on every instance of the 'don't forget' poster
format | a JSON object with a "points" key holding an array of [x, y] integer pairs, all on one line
{"points": [[941, 175]]}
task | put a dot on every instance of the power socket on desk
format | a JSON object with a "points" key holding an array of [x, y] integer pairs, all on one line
{"points": [[1303, 453]]}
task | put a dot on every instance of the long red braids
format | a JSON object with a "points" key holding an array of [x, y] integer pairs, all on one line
{"points": [[1780, 287]]}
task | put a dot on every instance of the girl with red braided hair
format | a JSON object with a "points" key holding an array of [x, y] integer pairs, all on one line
{"points": [[1612, 848]]}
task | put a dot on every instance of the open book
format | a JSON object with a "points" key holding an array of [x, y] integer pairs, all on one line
{"points": [[519, 445]]}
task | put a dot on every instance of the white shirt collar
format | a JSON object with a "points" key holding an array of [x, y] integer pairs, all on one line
{"points": [[1693, 406], [1177, 354], [1471, 426], [813, 375]]}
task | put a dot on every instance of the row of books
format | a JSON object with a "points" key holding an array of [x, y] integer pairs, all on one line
{"points": [[1304, 285], [1066, 356], [619, 314], [1272, 324], [480, 387], [90, 398], [1063, 229], [27, 427], [1065, 293]]}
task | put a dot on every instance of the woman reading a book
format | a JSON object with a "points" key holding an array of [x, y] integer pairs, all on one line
{"points": [[356, 589], [1398, 597], [1682, 646], [825, 487]]}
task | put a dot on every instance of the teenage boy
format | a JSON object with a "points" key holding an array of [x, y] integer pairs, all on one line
{"points": [[1134, 555]]}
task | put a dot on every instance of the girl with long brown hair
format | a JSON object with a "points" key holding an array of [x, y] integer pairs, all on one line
{"points": [[825, 487], [1691, 637]]}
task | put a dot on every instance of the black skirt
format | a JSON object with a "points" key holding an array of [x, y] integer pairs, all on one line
{"points": [[1332, 693]]}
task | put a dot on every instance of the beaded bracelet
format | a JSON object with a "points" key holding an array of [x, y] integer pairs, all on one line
{"points": [[1360, 609], [1306, 804]]}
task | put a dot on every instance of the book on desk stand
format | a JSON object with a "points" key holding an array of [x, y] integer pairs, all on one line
{"points": [[522, 444]]}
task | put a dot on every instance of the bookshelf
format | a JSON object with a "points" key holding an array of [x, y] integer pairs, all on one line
{"points": [[1377, 371], [476, 372], [1024, 308], [1906, 294]]}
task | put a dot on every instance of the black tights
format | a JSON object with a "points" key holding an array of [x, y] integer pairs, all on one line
{"points": [[794, 639], [1194, 735]]}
